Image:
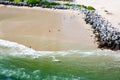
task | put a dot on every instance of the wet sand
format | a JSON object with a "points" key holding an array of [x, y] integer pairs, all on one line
{"points": [[46, 29]]}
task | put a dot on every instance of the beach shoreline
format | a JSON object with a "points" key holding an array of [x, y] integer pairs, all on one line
{"points": [[46, 32]]}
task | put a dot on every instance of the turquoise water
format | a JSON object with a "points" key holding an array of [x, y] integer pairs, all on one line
{"points": [[20, 63]]}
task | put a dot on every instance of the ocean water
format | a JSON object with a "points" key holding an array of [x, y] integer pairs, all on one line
{"points": [[18, 62]]}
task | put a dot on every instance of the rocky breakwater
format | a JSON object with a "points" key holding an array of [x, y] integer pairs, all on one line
{"points": [[106, 35]]}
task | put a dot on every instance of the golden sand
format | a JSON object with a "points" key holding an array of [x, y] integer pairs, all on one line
{"points": [[45, 29]]}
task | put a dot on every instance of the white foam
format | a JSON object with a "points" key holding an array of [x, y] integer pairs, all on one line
{"points": [[16, 49]]}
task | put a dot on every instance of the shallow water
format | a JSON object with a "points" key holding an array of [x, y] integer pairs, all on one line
{"points": [[18, 62]]}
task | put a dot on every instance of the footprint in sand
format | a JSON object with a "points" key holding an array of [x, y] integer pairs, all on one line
{"points": [[59, 30], [119, 23], [49, 30]]}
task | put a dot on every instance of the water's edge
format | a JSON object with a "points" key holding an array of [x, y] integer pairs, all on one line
{"points": [[18, 62]]}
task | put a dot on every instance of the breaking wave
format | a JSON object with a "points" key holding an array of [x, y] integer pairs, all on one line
{"points": [[15, 49], [18, 62]]}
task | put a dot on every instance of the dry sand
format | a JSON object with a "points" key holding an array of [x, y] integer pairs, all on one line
{"points": [[45, 29], [112, 6]]}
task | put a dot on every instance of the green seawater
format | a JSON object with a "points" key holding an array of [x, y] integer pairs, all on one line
{"points": [[75, 65]]}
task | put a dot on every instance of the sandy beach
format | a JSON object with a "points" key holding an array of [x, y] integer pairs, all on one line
{"points": [[65, 47], [113, 7], [45, 29]]}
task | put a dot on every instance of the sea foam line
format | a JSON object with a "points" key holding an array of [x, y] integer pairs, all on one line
{"points": [[16, 49]]}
